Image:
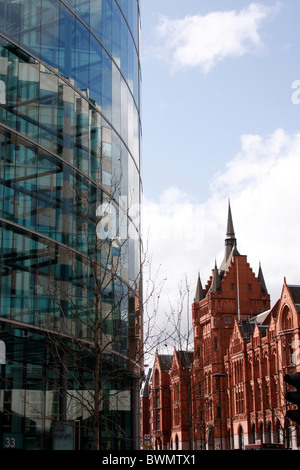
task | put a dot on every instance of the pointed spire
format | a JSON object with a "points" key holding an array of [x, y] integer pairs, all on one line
{"points": [[230, 242], [230, 229], [216, 280], [261, 279], [199, 291]]}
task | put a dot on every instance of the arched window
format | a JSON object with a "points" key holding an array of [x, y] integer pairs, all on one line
{"points": [[276, 435], [241, 438], [287, 319], [261, 432], [156, 378], [252, 435], [268, 432]]}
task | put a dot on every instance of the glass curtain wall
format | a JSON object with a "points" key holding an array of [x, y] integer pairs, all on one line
{"points": [[70, 193]]}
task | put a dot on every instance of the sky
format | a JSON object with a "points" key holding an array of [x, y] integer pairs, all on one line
{"points": [[221, 120]]}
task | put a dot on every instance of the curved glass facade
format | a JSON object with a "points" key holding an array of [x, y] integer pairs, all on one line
{"points": [[70, 190]]}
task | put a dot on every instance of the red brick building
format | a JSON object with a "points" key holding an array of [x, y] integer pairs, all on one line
{"points": [[230, 391]]}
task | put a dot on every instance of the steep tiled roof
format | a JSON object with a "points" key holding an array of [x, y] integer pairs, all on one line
{"points": [[247, 329], [185, 358], [165, 361]]}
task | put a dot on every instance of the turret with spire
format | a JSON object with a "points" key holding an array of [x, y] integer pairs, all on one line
{"points": [[234, 277], [216, 280], [199, 290]]}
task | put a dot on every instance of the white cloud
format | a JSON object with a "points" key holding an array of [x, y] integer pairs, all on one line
{"points": [[205, 40], [262, 181]]}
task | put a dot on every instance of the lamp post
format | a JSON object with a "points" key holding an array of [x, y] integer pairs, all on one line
{"points": [[218, 376]]}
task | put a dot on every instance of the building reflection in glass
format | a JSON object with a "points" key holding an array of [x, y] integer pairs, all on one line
{"points": [[69, 141]]}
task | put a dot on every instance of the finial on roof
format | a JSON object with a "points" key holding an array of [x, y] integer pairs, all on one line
{"points": [[230, 229], [216, 280], [261, 279], [199, 290], [230, 241]]}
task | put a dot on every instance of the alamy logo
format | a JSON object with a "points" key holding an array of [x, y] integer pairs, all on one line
{"points": [[296, 94], [295, 352], [113, 224], [181, 222]]}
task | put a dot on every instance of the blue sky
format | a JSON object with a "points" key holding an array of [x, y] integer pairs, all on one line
{"points": [[219, 121]]}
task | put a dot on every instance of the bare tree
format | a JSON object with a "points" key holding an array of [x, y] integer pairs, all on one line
{"points": [[192, 394], [181, 335], [100, 322]]}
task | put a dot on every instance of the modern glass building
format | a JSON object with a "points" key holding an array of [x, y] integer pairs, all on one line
{"points": [[70, 188]]}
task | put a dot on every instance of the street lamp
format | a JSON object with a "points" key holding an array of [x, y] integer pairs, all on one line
{"points": [[218, 376]]}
